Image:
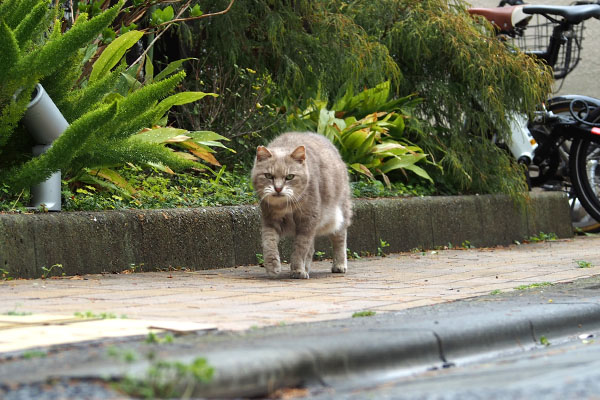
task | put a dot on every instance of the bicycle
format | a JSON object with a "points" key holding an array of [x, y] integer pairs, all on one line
{"points": [[565, 152]]}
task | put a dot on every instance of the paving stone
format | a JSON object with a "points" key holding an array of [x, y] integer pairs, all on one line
{"points": [[239, 298]]}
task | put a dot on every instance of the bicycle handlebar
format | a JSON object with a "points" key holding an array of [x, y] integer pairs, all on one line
{"points": [[571, 14]]}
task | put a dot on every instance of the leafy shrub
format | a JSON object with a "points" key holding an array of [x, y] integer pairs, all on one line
{"points": [[460, 69], [369, 131], [105, 112], [152, 188]]}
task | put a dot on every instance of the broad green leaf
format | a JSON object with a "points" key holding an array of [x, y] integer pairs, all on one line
{"points": [[128, 83], [114, 177], [406, 162], [326, 117], [124, 29], [358, 167], [205, 136], [199, 151], [388, 147], [170, 68], [148, 70], [90, 50], [161, 16], [168, 13], [113, 53], [419, 171], [161, 167], [355, 139], [196, 11], [182, 98], [365, 147], [161, 135]]}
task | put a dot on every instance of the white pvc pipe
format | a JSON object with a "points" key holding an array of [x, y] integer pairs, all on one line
{"points": [[45, 123]]}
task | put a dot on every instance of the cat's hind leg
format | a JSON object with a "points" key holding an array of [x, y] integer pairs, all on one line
{"points": [[338, 242]]}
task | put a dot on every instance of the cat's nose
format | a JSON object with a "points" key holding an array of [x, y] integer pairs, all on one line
{"points": [[278, 189]]}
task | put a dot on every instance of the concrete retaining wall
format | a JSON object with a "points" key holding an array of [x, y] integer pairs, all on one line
{"points": [[205, 238]]}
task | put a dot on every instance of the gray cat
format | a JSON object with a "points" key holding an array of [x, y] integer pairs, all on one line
{"points": [[303, 187]]}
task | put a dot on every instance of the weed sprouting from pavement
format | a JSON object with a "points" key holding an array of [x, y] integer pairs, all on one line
{"points": [[154, 338], [34, 354], [102, 315], [534, 286], [467, 245], [543, 237], [319, 255], [360, 314], [48, 270], [127, 356], [168, 379], [584, 264], [352, 255], [260, 259], [5, 275], [544, 341], [15, 313], [380, 249]]}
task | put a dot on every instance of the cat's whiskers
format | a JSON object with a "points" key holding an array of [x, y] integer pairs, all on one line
{"points": [[295, 201]]}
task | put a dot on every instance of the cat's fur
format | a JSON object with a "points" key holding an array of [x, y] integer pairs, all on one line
{"points": [[303, 187]]}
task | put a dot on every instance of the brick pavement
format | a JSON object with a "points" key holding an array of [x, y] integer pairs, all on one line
{"points": [[244, 297]]}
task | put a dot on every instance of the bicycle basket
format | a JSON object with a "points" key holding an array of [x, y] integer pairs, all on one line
{"points": [[535, 37]]}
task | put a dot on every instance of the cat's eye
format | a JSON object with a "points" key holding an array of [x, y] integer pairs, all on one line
{"points": [[289, 177], [268, 176]]}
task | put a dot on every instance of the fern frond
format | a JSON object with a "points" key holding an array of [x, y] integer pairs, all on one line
{"points": [[61, 153], [30, 25], [9, 48], [138, 102], [83, 100], [51, 56], [16, 11]]}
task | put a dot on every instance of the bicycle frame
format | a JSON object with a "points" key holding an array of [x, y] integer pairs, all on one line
{"points": [[555, 132]]}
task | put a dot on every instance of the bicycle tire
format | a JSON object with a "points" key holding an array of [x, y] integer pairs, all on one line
{"points": [[584, 164]]}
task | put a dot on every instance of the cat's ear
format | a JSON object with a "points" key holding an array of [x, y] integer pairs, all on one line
{"points": [[299, 154], [262, 153]]}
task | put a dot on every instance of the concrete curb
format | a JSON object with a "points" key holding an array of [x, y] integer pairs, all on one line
{"points": [[206, 238], [381, 350]]}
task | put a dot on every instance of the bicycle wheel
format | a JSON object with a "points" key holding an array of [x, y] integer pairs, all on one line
{"points": [[553, 173], [584, 163]]}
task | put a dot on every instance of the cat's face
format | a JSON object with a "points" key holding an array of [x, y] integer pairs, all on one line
{"points": [[280, 176]]}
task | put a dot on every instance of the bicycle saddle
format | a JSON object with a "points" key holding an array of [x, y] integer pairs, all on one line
{"points": [[572, 14], [504, 18]]}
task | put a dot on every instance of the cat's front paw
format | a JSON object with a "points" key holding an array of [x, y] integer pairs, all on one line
{"points": [[273, 269], [339, 269], [299, 275]]}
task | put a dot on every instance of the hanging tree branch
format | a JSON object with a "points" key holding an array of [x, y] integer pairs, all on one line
{"points": [[199, 16], [178, 19]]}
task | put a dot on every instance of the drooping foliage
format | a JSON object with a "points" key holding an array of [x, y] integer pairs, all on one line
{"points": [[469, 81], [305, 45]]}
